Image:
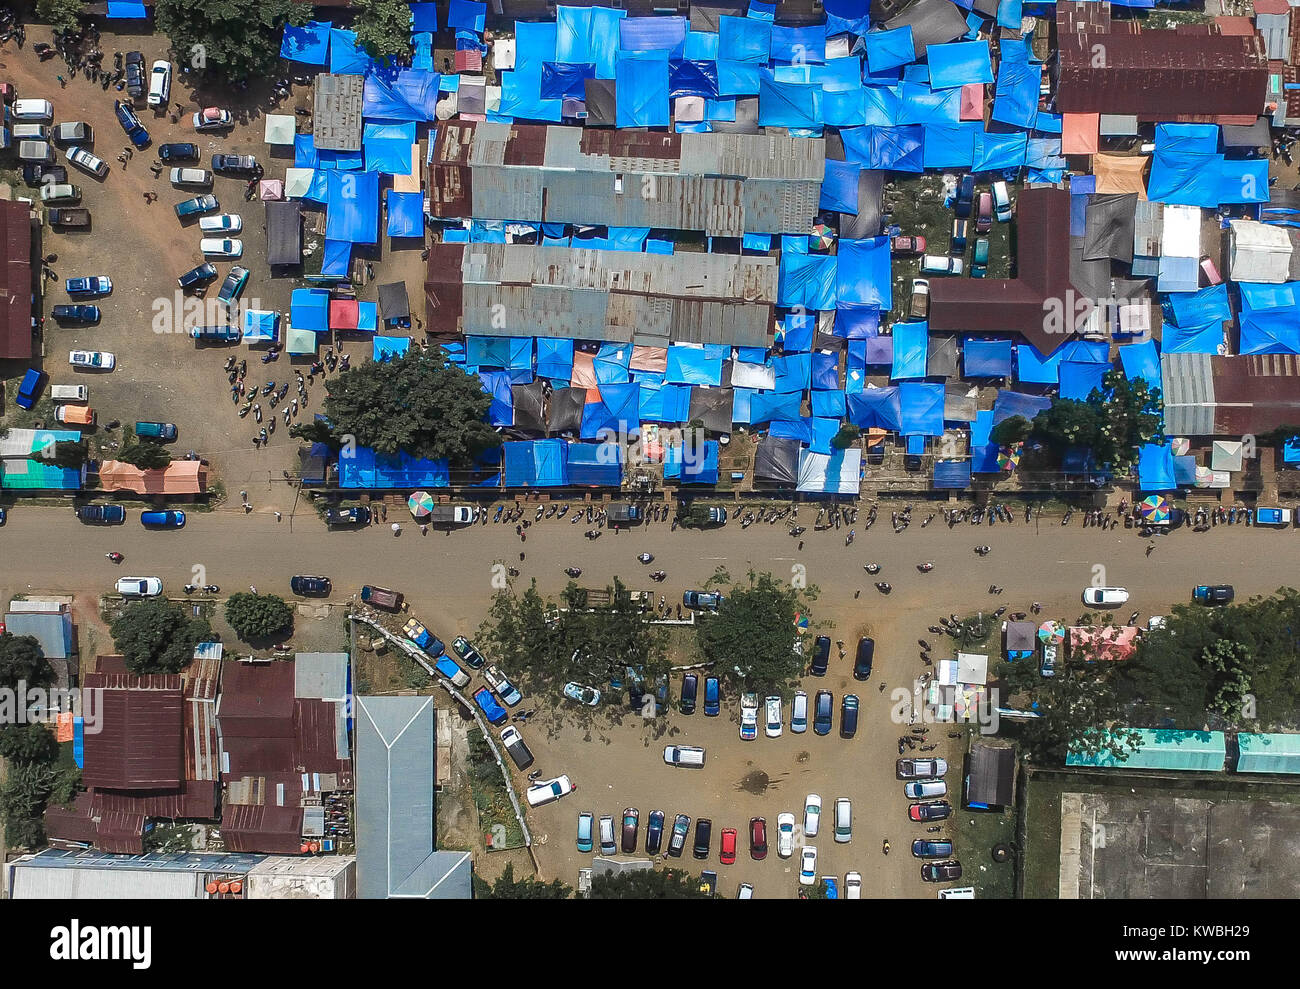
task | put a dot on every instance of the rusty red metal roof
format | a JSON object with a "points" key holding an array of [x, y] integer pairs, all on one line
{"points": [[138, 746], [272, 830], [1256, 393], [112, 831], [197, 800], [256, 700], [16, 341]]}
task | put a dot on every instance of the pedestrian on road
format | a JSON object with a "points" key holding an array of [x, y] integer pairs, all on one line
{"points": [[63, 83], [397, 529], [1150, 548], [277, 516], [384, 510]]}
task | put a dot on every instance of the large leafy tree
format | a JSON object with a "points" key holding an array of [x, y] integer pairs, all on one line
{"points": [[146, 456], [28, 743], [1114, 421], [255, 616], [383, 27], [23, 661], [647, 884], [507, 887], [61, 15], [416, 404], [156, 636], [229, 41], [751, 639]]}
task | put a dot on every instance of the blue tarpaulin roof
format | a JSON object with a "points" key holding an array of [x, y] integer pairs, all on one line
{"points": [[793, 372], [700, 467], [346, 57], [641, 89], [951, 474], [501, 410], [804, 45], [890, 49], [1141, 360], [783, 104], [687, 77], [611, 363], [806, 281], [642, 34], [959, 64], [840, 186], [386, 348], [554, 358], [998, 152], [743, 39], [1192, 340], [1015, 98], [126, 10], [338, 255], [467, 14], [308, 44], [1270, 318], [856, 322], [911, 349], [950, 145], [1033, 368], [565, 80], [984, 455], [863, 275], [1156, 468], [767, 406], [352, 206], [424, 17], [879, 407], [405, 214], [309, 309], [261, 325], [536, 463], [368, 469], [1014, 403], [688, 365], [986, 358], [922, 408], [1185, 470], [595, 464], [826, 371], [1078, 379], [401, 95], [619, 410], [388, 147], [891, 148]]}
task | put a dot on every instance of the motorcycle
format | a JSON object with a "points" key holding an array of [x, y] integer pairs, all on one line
{"points": [[574, 572], [257, 412], [925, 567], [923, 644], [658, 576], [270, 356], [871, 568], [928, 519], [541, 510], [268, 388], [271, 424], [884, 847], [645, 557], [115, 557], [245, 409], [189, 588], [883, 587], [1065, 519], [592, 533], [262, 434], [1133, 618], [211, 589], [564, 510]]}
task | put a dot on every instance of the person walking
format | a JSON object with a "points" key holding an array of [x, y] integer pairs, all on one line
{"points": [[63, 83]]}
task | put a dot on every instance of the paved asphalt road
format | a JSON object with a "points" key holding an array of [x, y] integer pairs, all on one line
{"points": [[448, 581]]}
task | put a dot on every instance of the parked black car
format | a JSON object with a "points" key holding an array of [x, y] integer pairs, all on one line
{"points": [[197, 276], [179, 152], [862, 661], [236, 164], [690, 685], [357, 515], [316, 587], [101, 514], [135, 84], [703, 836], [654, 832], [821, 656]]}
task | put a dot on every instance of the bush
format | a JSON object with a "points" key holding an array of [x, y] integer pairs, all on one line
{"points": [[256, 616], [156, 636]]}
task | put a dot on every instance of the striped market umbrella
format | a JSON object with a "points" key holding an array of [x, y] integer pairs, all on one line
{"points": [[1009, 456], [823, 237], [1050, 630], [421, 504], [1154, 509], [800, 621]]}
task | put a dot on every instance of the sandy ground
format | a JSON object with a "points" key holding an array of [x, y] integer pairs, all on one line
{"points": [[143, 248], [447, 579]]}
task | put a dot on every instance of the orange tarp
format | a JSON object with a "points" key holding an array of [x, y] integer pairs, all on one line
{"points": [[1120, 173], [584, 375], [180, 477], [1079, 133], [649, 359]]}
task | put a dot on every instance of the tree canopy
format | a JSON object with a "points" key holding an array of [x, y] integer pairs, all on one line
{"points": [[585, 641], [28, 743], [255, 616], [23, 661], [507, 887], [146, 456], [647, 884], [751, 639], [61, 15], [229, 41], [156, 636], [383, 27], [416, 403], [1113, 422]]}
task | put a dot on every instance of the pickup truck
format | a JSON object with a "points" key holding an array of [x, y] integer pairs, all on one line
{"points": [[448, 668], [381, 597], [1272, 516], [621, 513], [357, 515], [69, 216], [423, 638], [451, 515], [602, 597]]}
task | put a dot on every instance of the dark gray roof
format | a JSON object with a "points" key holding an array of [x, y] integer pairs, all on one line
{"points": [[336, 117], [992, 776]]}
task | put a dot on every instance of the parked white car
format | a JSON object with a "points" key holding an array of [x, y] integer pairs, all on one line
{"points": [[160, 83], [785, 835], [812, 815], [221, 248], [139, 587], [92, 360], [853, 886], [799, 712], [87, 162], [222, 223], [1105, 597], [199, 177], [545, 791], [774, 723], [37, 110], [843, 820], [808, 865]]}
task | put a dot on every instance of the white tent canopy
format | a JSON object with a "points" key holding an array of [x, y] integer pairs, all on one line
{"points": [[835, 473], [1259, 253], [753, 376], [297, 182], [1225, 455], [279, 129]]}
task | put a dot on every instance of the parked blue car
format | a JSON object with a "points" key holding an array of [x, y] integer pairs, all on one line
{"points": [[493, 711], [126, 116], [89, 285], [29, 390], [712, 697], [163, 520]]}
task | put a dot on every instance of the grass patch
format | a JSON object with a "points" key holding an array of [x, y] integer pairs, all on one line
{"points": [[496, 815], [975, 833]]}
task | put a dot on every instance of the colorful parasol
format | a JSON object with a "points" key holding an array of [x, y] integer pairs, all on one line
{"points": [[823, 237], [1009, 456], [800, 620], [1203, 477], [1051, 630], [1154, 509], [421, 504]]}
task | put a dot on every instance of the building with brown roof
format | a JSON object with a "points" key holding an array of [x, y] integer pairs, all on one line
{"points": [[17, 335], [1041, 303], [1213, 395], [138, 745], [81, 825], [1196, 70]]}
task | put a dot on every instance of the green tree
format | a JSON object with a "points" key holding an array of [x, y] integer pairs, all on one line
{"points": [[61, 15], [817, 891], [146, 456], [156, 636], [507, 887], [228, 41], [24, 794], [751, 639], [416, 403], [65, 453], [23, 661], [1115, 420], [28, 743], [647, 884], [1011, 430], [255, 616], [846, 437], [383, 27]]}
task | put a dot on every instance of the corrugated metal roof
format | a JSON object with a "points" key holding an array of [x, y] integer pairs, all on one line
{"points": [[196, 799], [1188, 393], [274, 830], [336, 117], [139, 744], [1164, 749], [16, 339], [55, 633], [1268, 753], [256, 700]]}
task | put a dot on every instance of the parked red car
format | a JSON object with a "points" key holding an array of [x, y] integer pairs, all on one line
{"points": [[727, 854], [757, 839], [907, 245]]}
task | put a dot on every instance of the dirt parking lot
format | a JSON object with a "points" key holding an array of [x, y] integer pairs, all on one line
{"points": [[143, 248]]}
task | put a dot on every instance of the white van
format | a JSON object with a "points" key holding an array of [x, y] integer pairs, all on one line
{"points": [[799, 713], [160, 83], [40, 110], [30, 132], [69, 393], [690, 756], [37, 151]]}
